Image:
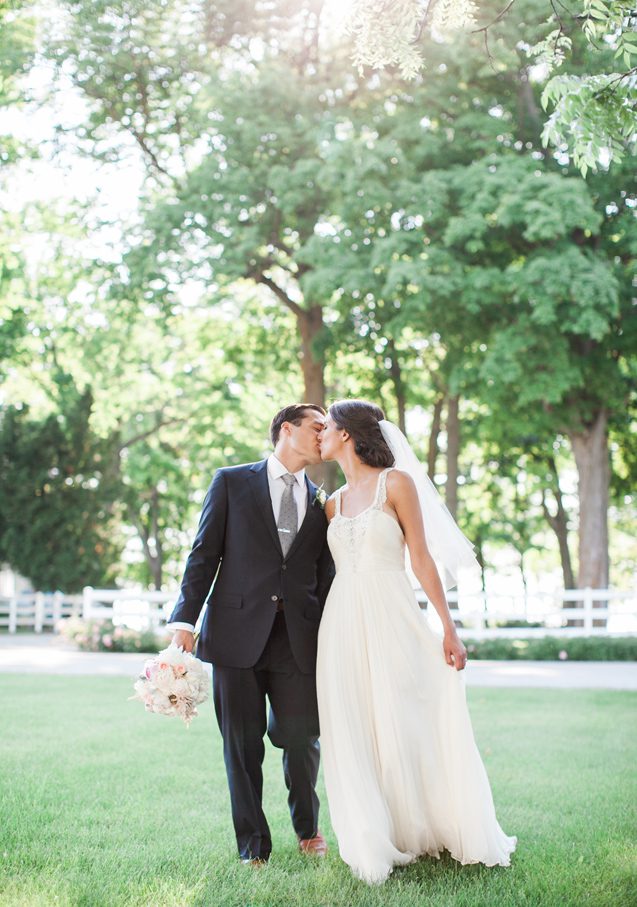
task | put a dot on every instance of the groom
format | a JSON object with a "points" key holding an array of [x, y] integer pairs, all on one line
{"points": [[262, 542]]}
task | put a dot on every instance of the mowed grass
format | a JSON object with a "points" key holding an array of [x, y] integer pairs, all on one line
{"points": [[102, 804]]}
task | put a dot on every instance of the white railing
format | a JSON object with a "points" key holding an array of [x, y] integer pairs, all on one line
{"points": [[37, 610], [478, 615], [139, 610], [572, 612]]}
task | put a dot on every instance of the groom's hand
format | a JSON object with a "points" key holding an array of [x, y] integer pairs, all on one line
{"points": [[184, 639]]}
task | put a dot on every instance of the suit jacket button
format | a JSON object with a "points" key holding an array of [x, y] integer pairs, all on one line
{"points": [[274, 598], [284, 567]]}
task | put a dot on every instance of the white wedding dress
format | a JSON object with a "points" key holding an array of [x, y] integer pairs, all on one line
{"points": [[402, 771]]}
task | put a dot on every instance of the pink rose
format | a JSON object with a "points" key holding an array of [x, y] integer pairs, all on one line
{"points": [[563, 655]]}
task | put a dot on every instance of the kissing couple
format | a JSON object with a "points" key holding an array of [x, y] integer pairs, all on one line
{"points": [[311, 610]]}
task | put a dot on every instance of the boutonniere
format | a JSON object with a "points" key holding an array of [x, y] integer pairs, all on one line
{"points": [[320, 497]]}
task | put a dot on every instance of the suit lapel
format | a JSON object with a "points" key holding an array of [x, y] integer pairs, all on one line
{"points": [[261, 492]]}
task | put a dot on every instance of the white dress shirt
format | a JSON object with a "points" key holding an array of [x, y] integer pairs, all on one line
{"points": [[276, 470]]}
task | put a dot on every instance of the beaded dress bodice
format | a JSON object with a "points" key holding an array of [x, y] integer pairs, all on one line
{"points": [[369, 542]]}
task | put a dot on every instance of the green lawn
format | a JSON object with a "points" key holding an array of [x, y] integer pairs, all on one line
{"points": [[102, 804]]}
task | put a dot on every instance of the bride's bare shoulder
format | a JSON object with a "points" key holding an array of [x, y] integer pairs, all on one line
{"points": [[399, 484]]}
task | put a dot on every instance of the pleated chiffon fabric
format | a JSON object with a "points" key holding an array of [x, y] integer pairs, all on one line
{"points": [[402, 771]]}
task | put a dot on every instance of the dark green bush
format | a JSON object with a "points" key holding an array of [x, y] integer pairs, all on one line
{"points": [[518, 624], [555, 648]]}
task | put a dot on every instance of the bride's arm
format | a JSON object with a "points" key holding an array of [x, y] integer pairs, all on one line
{"points": [[403, 497], [330, 509]]}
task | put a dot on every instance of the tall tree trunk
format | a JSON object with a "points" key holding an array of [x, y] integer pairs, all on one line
{"points": [[399, 386], [149, 537], [156, 572], [157, 566], [590, 448], [432, 454], [453, 453], [559, 524], [478, 544], [479, 550], [310, 322], [525, 585]]}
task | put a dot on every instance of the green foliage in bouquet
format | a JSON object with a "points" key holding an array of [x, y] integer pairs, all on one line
{"points": [[555, 648], [104, 636]]}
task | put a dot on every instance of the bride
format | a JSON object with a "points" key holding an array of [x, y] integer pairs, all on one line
{"points": [[402, 771]]}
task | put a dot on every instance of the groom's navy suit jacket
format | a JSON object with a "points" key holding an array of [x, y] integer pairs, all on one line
{"points": [[237, 548]]}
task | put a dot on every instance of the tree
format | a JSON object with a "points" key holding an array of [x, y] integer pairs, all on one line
{"points": [[56, 495], [593, 110], [410, 241], [17, 36], [519, 268]]}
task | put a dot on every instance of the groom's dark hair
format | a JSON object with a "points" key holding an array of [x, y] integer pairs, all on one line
{"points": [[295, 413]]}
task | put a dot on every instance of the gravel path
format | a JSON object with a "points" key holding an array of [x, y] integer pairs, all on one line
{"points": [[48, 654]]}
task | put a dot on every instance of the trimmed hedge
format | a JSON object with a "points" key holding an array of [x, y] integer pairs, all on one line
{"points": [[555, 648], [102, 636]]}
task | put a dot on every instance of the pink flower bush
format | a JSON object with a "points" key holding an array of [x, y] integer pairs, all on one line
{"points": [[103, 636]]}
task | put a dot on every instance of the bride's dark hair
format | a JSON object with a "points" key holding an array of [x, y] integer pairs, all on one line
{"points": [[360, 419]]}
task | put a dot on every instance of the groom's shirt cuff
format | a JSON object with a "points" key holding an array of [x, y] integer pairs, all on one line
{"points": [[180, 625]]}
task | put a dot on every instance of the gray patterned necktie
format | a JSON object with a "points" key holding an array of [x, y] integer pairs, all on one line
{"points": [[288, 521]]}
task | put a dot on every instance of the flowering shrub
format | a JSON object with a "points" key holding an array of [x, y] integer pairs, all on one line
{"points": [[104, 636]]}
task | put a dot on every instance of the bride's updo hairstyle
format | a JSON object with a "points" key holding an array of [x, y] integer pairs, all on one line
{"points": [[360, 420]]}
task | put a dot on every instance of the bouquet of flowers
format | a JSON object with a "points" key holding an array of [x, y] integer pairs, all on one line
{"points": [[173, 683]]}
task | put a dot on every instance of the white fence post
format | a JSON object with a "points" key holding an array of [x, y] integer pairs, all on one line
{"points": [[13, 615], [588, 608], [57, 608], [87, 602], [38, 617]]}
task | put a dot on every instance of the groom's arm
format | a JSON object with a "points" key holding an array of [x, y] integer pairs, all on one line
{"points": [[324, 573], [205, 556]]}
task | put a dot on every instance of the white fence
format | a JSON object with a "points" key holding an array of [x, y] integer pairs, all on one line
{"points": [[572, 612], [140, 610], [37, 611], [594, 611]]}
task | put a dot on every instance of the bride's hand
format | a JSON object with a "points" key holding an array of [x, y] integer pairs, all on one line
{"points": [[455, 652]]}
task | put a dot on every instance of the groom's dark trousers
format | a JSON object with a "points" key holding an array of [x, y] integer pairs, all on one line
{"points": [[260, 632]]}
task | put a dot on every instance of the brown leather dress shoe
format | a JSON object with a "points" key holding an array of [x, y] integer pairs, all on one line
{"points": [[255, 862], [314, 847]]}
